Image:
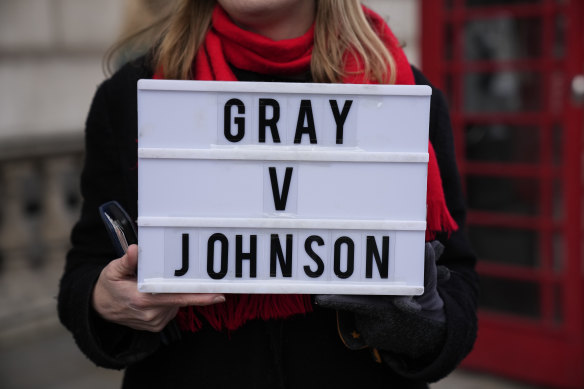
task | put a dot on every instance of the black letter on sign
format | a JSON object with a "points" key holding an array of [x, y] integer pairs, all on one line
{"points": [[240, 256], [305, 113], [185, 257], [265, 122], [350, 257], [314, 256], [340, 117], [280, 200], [239, 121], [276, 253], [383, 262], [217, 237]]}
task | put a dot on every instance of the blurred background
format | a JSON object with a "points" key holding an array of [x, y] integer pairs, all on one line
{"points": [[512, 71]]}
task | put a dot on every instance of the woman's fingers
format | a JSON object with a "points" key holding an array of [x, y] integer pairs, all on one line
{"points": [[117, 299], [183, 300]]}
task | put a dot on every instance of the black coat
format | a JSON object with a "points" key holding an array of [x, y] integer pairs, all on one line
{"points": [[299, 352]]}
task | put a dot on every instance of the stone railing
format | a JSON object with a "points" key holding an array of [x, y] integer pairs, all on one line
{"points": [[39, 203]]}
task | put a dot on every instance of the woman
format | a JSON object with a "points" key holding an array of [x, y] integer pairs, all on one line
{"points": [[405, 342]]}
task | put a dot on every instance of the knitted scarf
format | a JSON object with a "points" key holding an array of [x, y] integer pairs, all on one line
{"points": [[227, 44]]}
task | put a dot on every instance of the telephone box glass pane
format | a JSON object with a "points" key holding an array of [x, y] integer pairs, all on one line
{"points": [[505, 245], [502, 39], [504, 92], [502, 194], [510, 296], [558, 304], [448, 42], [559, 48], [557, 145], [502, 143]]}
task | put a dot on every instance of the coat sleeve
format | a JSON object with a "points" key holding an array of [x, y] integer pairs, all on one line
{"points": [[103, 179], [460, 292]]}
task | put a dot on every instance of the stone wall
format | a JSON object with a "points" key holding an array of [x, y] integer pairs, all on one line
{"points": [[50, 62], [50, 66]]}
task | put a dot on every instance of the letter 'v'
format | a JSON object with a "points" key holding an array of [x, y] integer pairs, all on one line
{"points": [[280, 199]]}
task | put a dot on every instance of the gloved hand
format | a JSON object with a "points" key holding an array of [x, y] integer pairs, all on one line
{"points": [[413, 326]]}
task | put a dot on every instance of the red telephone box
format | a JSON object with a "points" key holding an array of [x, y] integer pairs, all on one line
{"points": [[511, 70]]}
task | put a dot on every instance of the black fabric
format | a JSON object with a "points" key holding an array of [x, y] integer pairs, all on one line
{"points": [[411, 326], [304, 351]]}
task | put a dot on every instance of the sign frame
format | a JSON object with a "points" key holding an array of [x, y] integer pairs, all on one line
{"points": [[162, 153]]}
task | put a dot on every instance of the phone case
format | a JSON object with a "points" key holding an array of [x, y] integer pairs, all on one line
{"points": [[120, 226]]}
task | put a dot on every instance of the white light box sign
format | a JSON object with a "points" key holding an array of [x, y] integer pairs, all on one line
{"points": [[281, 187]]}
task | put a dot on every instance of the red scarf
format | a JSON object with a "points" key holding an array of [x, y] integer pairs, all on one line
{"points": [[225, 44]]}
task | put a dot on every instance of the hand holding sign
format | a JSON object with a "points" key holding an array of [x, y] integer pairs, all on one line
{"points": [[389, 323], [116, 297]]}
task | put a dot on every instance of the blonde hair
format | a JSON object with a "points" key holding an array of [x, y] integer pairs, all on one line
{"points": [[341, 29]]}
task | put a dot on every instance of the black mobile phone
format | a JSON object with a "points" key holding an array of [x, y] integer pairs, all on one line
{"points": [[120, 226], [122, 232]]}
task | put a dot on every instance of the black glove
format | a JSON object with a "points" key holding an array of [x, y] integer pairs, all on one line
{"points": [[404, 325]]}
